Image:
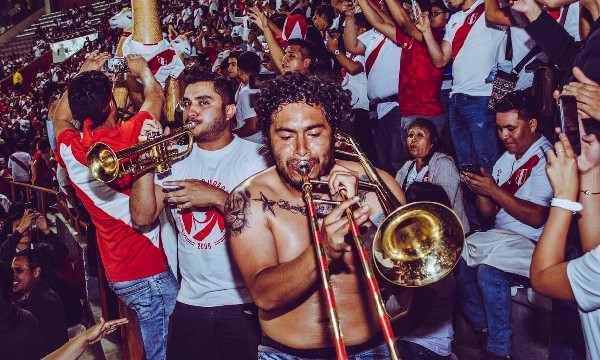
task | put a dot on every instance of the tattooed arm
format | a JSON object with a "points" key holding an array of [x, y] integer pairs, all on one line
{"points": [[272, 284]]}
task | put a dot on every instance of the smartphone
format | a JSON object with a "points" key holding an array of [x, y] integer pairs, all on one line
{"points": [[569, 123], [414, 9], [117, 65], [472, 168]]}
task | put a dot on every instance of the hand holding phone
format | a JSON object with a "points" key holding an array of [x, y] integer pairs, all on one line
{"points": [[414, 9], [472, 168], [569, 121], [117, 65]]}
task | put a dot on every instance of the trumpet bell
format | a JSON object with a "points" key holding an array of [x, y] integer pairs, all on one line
{"points": [[102, 162], [418, 244]]}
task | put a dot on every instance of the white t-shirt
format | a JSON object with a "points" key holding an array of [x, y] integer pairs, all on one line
{"points": [[17, 171], [357, 84], [478, 55], [209, 277], [584, 277], [535, 188], [244, 109], [382, 80]]}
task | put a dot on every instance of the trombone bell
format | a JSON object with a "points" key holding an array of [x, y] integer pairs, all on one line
{"points": [[418, 244]]}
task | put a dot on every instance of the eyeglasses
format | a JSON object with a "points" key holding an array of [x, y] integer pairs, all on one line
{"points": [[436, 13]]}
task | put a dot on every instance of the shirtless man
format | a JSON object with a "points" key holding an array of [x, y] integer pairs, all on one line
{"points": [[269, 230]]}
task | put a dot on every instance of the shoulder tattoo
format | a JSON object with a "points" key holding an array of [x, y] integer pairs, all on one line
{"points": [[237, 211]]}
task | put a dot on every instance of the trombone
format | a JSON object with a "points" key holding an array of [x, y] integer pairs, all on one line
{"points": [[106, 165], [416, 244]]}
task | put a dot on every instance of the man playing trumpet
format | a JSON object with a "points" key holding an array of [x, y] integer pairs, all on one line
{"points": [[135, 265], [269, 234], [214, 317]]}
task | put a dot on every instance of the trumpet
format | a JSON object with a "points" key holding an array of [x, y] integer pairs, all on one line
{"points": [[158, 153], [415, 245]]}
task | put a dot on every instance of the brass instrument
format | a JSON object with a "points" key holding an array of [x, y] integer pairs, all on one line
{"points": [[106, 164], [415, 245]]}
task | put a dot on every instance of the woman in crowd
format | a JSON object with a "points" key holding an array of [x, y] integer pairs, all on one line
{"points": [[430, 164], [573, 178]]}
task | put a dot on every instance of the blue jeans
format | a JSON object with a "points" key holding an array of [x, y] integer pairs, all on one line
{"points": [[412, 351], [272, 350], [483, 296], [153, 300], [387, 135], [220, 332], [473, 131]]}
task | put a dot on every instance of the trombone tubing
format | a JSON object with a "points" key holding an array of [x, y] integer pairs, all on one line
{"points": [[334, 322], [384, 321]]}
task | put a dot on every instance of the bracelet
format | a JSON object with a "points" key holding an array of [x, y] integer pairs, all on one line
{"points": [[572, 206], [587, 192]]}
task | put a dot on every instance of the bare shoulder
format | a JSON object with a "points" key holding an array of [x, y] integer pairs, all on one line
{"points": [[239, 214]]}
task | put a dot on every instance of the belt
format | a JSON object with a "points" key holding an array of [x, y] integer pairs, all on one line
{"points": [[391, 98]]}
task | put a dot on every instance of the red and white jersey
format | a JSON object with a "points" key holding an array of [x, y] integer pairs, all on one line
{"points": [[162, 59], [128, 252], [382, 65], [476, 46], [526, 179]]}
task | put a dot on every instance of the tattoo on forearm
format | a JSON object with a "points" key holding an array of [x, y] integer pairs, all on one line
{"points": [[237, 211]]}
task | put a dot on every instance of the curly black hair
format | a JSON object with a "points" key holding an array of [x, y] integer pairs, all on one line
{"points": [[299, 88]]}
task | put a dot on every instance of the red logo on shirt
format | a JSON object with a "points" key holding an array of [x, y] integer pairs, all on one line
{"points": [[198, 226]]}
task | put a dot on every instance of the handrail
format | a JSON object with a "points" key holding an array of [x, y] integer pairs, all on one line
{"points": [[14, 184], [80, 224]]}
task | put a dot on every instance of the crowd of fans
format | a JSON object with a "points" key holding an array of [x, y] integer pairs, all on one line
{"points": [[416, 117]]}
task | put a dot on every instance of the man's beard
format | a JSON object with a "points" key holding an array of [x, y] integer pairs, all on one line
{"points": [[214, 130], [285, 167]]}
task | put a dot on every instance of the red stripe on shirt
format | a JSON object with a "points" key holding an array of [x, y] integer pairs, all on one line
{"points": [[461, 34]]}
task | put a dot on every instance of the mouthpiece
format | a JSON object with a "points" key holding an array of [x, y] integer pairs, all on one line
{"points": [[303, 167]]}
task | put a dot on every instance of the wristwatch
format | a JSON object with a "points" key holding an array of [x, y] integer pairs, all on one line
{"points": [[336, 52]]}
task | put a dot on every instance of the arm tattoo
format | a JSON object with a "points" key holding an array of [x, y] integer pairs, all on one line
{"points": [[237, 211], [267, 205]]}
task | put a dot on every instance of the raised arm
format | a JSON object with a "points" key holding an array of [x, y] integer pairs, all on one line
{"points": [[548, 271], [377, 20], [146, 199], [154, 97], [351, 42], [402, 19], [440, 54], [351, 66], [256, 16]]}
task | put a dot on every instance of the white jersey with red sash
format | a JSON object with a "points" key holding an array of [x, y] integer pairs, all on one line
{"points": [[526, 179], [162, 59], [382, 66], [509, 246], [128, 252], [476, 46]]}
